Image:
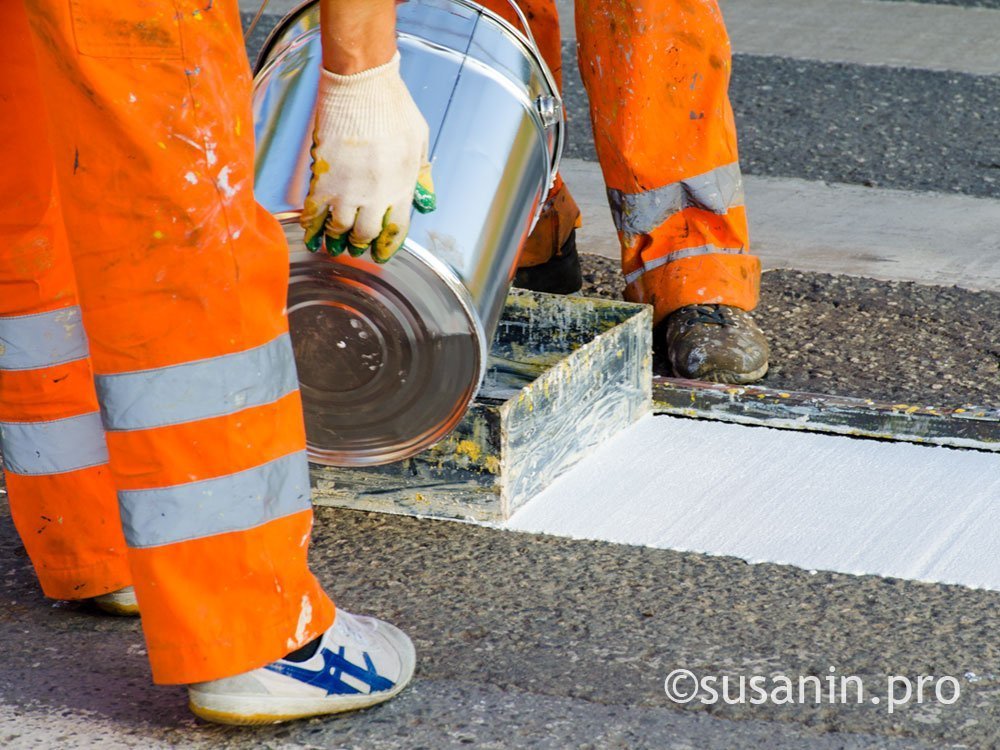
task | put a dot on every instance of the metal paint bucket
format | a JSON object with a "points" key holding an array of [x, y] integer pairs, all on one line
{"points": [[389, 357]]}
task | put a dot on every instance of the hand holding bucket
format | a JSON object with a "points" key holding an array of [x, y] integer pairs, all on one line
{"points": [[370, 164], [390, 356]]}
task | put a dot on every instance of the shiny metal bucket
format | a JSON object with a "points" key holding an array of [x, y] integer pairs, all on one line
{"points": [[389, 357]]}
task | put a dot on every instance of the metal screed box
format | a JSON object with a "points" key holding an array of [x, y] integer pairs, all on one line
{"points": [[565, 375]]}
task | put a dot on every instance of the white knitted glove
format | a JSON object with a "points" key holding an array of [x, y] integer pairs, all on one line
{"points": [[369, 164]]}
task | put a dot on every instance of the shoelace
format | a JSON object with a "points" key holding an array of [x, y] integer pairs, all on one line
{"points": [[709, 314]]}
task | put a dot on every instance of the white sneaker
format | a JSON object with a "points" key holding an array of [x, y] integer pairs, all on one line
{"points": [[121, 602], [360, 661]]}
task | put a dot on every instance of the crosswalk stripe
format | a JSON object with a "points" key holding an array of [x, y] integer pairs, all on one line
{"points": [[894, 235], [868, 32], [818, 502]]}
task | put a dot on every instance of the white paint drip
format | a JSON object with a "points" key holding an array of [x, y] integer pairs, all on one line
{"points": [[305, 617], [223, 182]]}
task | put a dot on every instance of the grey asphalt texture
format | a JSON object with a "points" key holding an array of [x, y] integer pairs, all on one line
{"points": [[874, 126], [897, 342], [539, 642]]}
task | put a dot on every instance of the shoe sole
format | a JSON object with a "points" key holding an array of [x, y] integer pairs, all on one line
{"points": [[268, 710], [116, 609], [734, 378]]}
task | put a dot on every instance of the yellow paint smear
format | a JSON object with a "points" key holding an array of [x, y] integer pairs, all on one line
{"points": [[470, 449]]}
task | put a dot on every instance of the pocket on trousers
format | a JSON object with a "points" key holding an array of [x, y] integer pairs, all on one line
{"points": [[139, 29]]}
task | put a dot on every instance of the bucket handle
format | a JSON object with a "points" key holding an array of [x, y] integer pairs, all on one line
{"points": [[522, 19], [256, 19]]}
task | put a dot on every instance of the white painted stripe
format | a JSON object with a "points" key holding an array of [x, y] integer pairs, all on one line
{"points": [[198, 390], [55, 447], [234, 502], [895, 235], [813, 501], [30, 342], [863, 32], [868, 32]]}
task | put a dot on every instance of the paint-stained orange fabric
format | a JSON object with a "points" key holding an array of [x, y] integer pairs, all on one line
{"points": [[69, 521], [657, 74], [70, 529], [704, 279], [193, 446], [202, 644], [148, 107]]}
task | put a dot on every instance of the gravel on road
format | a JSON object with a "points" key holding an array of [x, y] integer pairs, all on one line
{"points": [[849, 336]]}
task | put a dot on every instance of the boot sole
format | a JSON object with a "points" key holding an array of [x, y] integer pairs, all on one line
{"points": [[730, 377]]}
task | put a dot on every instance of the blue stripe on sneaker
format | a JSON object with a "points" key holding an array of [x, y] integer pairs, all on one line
{"points": [[329, 678]]}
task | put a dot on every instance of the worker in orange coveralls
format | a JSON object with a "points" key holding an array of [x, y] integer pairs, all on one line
{"points": [[657, 74], [150, 419]]}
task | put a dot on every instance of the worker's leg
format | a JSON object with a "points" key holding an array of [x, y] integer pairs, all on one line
{"points": [[560, 215], [657, 72], [182, 281], [61, 494]]}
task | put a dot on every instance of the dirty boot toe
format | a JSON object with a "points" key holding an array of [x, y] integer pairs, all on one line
{"points": [[717, 343]]}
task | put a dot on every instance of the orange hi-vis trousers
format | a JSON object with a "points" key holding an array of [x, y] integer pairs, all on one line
{"points": [[657, 74], [151, 424]]}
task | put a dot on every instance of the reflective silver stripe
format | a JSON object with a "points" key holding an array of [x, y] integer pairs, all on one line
{"points": [[198, 390], [688, 252], [28, 342], [640, 213], [62, 445], [235, 502]]}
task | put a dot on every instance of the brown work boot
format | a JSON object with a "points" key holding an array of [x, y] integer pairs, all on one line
{"points": [[717, 343]]}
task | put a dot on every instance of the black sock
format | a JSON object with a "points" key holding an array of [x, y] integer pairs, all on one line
{"points": [[305, 653]]}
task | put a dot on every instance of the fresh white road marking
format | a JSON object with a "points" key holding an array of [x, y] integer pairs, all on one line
{"points": [[818, 502]]}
